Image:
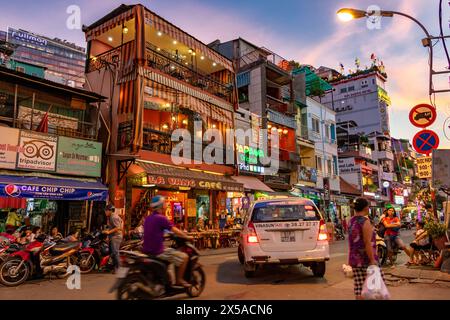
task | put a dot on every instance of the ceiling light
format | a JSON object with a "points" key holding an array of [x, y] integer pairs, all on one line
{"points": [[214, 64], [280, 130], [158, 49], [190, 50], [159, 33], [172, 67], [202, 57], [175, 42], [184, 121], [110, 39], [269, 126], [285, 131], [167, 104], [125, 30], [165, 126], [173, 118], [193, 53], [186, 63], [214, 126]]}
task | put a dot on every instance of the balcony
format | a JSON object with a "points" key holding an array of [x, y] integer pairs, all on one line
{"points": [[111, 57], [384, 155], [61, 126], [176, 67], [355, 150]]}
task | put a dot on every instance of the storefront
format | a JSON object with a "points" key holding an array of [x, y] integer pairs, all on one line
{"points": [[190, 194], [46, 202]]}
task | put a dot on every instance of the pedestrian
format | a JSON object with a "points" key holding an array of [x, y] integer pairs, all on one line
{"points": [[13, 221], [392, 234], [72, 237], [330, 230], [115, 233], [55, 235], [362, 245], [35, 233], [344, 224]]}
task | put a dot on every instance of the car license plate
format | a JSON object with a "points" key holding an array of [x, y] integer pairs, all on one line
{"points": [[288, 236], [122, 272]]}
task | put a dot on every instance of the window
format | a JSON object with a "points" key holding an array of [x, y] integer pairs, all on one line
{"points": [[352, 88], [329, 168], [319, 164], [243, 94], [315, 125], [373, 81], [335, 165], [333, 133], [327, 131], [274, 212], [364, 84], [343, 90]]}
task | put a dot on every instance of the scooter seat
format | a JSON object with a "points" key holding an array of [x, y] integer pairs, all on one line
{"points": [[62, 247]]}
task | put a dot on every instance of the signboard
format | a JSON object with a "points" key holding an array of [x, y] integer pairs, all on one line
{"points": [[24, 190], [424, 166], [191, 208], [422, 115], [193, 183], [39, 151], [124, 134], [9, 147], [326, 188], [425, 141], [23, 36], [54, 120], [384, 116], [249, 159], [307, 174], [79, 157], [386, 184], [348, 165], [399, 200]]}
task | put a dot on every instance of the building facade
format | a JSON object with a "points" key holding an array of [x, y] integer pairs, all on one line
{"points": [[50, 160], [160, 80], [64, 61], [265, 88]]}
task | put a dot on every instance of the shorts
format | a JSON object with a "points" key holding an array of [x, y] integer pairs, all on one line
{"points": [[417, 247], [359, 276], [173, 256], [390, 239]]}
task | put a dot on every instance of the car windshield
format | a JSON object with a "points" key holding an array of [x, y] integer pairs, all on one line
{"points": [[274, 212]]}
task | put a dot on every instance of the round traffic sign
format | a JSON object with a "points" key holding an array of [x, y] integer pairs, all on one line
{"points": [[425, 141], [422, 115]]}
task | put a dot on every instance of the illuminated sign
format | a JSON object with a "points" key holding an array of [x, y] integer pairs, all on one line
{"points": [[24, 36], [399, 200], [249, 158]]}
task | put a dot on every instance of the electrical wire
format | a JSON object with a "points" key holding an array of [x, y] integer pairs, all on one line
{"points": [[442, 34]]}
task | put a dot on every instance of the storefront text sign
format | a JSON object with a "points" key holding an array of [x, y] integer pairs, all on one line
{"points": [[39, 151], [424, 167], [192, 183], [9, 147], [79, 157]]}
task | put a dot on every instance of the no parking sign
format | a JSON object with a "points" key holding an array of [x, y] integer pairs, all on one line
{"points": [[425, 141]]}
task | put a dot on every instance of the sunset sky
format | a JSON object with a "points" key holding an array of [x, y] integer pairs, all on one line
{"points": [[306, 31]]}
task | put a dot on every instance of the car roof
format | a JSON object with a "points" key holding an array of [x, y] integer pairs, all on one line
{"points": [[293, 199]]}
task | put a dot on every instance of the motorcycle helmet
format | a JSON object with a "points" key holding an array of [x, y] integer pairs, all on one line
{"points": [[157, 202]]}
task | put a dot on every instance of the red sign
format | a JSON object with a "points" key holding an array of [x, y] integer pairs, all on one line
{"points": [[426, 141], [422, 115]]}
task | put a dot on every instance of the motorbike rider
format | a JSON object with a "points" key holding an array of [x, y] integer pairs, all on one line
{"points": [[392, 234], [154, 227], [114, 232]]}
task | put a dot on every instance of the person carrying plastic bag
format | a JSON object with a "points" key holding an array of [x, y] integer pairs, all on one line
{"points": [[362, 251], [374, 287]]}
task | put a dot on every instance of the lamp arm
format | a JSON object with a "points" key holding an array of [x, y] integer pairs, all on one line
{"points": [[390, 13]]}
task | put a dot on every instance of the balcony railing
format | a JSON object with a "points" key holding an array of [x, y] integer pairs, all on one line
{"points": [[174, 66], [102, 60], [65, 127]]}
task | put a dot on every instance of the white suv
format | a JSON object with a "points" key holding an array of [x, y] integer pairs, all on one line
{"points": [[284, 231]]}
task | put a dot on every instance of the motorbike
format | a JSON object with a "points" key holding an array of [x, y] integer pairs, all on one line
{"points": [[382, 250], [147, 277], [95, 252], [40, 257], [407, 225], [339, 232]]}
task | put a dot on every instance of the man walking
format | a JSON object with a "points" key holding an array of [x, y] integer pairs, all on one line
{"points": [[115, 227]]}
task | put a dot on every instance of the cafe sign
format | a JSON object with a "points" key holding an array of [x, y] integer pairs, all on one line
{"points": [[193, 183]]}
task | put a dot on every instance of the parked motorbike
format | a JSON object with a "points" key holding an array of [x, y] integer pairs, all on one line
{"points": [[40, 257], [147, 277], [339, 232], [407, 225], [381, 250]]}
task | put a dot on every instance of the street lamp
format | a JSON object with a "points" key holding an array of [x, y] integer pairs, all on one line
{"points": [[347, 14]]}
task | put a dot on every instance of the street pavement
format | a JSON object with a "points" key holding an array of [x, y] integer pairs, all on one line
{"points": [[225, 281]]}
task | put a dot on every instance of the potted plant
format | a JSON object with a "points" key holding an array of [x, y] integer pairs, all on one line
{"points": [[437, 231]]}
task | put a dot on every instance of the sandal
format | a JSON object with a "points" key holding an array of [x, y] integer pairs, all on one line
{"points": [[184, 284]]}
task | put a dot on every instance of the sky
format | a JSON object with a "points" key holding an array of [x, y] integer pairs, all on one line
{"points": [[304, 30]]}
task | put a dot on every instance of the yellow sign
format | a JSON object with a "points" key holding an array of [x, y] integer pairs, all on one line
{"points": [[424, 167], [191, 208]]}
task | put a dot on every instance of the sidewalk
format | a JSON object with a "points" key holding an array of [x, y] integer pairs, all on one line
{"points": [[416, 274]]}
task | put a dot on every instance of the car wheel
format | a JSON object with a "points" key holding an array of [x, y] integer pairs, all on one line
{"points": [[241, 255], [318, 269]]}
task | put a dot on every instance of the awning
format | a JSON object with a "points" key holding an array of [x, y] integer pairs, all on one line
{"points": [[52, 189], [176, 177], [252, 183]]}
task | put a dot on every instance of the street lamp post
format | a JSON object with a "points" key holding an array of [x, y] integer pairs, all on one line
{"points": [[347, 14]]}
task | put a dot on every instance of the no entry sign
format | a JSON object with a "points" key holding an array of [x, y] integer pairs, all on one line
{"points": [[422, 115], [425, 141]]}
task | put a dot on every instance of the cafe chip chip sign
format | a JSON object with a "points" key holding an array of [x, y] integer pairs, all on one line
{"points": [[424, 167]]}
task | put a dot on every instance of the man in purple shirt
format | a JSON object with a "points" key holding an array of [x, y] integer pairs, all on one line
{"points": [[154, 227]]}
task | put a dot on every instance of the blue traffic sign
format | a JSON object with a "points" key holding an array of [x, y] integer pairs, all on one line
{"points": [[425, 141]]}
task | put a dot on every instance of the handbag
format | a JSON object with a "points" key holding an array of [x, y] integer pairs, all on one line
{"points": [[374, 287]]}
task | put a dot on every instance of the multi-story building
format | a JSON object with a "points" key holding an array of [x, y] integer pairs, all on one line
{"points": [[50, 159], [162, 82], [64, 61], [360, 99], [265, 89], [404, 169]]}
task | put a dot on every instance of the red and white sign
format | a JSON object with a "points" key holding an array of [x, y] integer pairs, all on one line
{"points": [[422, 115]]}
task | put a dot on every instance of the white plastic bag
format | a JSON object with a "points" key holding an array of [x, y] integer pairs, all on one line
{"points": [[374, 287]]}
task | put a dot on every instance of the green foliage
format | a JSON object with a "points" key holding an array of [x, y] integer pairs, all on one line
{"points": [[435, 229]]}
